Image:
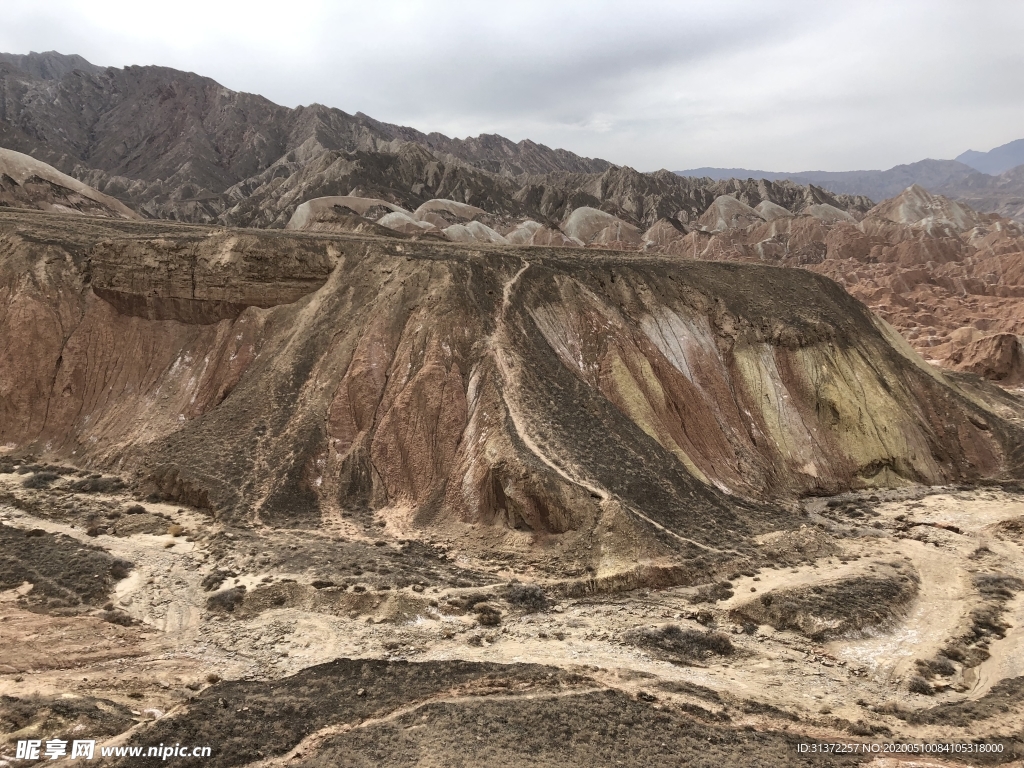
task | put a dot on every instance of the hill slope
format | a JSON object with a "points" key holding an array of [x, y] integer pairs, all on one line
{"points": [[616, 406]]}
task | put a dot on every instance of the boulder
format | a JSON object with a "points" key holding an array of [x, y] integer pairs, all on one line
{"points": [[999, 357]]}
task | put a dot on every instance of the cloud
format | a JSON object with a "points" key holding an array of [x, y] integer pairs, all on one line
{"points": [[774, 85]]}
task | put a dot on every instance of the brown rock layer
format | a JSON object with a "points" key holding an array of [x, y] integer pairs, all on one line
{"points": [[607, 406]]}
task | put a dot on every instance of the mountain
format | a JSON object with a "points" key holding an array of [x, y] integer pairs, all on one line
{"points": [[1002, 194], [154, 123], [469, 452], [995, 161], [418, 381], [179, 146], [878, 185], [49, 65]]}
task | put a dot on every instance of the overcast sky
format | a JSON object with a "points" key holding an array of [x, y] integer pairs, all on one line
{"points": [[781, 86]]}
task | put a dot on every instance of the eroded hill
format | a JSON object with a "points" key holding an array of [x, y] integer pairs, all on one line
{"points": [[309, 498], [617, 407]]}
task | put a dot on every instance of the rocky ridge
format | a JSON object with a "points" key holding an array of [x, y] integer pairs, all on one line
{"points": [[202, 153]]}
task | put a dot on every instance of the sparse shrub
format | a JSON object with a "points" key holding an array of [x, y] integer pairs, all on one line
{"points": [[227, 600], [213, 678], [463, 603], [706, 618], [919, 685], [135, 509], [175, 530], [526, 597], [712, 593], [686, 644], [998, 585], [118, 617], [487, 614], [940, 666], [834, 609], [97, 484], [987, 620], [40, 480], [955, 652], [322, 584]]}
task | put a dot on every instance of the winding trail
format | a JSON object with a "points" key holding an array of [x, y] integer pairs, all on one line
{"points": [[499, 344], [315, 740]]}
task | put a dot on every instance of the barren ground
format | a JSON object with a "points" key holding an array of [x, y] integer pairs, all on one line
{"points": [[144, 664]]}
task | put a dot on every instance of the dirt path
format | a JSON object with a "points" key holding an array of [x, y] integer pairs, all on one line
{"points": [[1007, 654], [943, 601], [499, 347]]}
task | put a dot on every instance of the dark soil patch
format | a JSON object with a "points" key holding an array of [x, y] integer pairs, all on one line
{"points": [[836, 609], [1006, 696], [55, 717], [682, 645], [246, 721], [712, 593], [65, 574], [590, 729]]}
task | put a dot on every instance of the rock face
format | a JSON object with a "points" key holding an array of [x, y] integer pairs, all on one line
{"points": [[829, 213], [769, 211], [321, 209], [913, 258], [943, 275], [28, 183], [590, 225], [662, 233], [474, 232], [728, 213], [999, 357], [610, 407], [919, 208]]}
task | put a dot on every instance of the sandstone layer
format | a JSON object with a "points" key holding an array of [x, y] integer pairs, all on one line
{"points": [[612, 407]]}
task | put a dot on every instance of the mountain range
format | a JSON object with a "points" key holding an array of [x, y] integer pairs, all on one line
{"points": [[987, 181], [176, 145]]}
